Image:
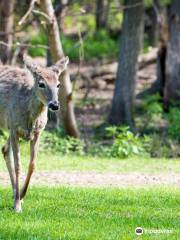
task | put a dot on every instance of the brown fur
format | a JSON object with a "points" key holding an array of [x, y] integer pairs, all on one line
{"points": [[23, 111]]}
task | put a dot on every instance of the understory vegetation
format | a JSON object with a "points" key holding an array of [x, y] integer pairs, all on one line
{"points": [[149, 140], [157, 134], [99, 45]]}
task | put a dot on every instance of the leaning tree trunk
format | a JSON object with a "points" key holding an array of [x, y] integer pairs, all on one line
{"points": [[6, 27], [163, 34], [56, 51], [172, 83], [131, 39], [162, 52]]}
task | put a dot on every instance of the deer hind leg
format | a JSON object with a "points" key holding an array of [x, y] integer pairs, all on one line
{"points": [[8, 157], [15, 148], [33, 149]]}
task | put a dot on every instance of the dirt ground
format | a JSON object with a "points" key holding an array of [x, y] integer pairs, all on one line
{"points": [[93, 179], [97, 105]]}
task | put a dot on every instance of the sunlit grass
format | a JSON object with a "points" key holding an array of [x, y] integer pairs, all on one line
{"points": [[57, 161], [74, 213]]}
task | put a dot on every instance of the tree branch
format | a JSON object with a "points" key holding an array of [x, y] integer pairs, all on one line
{"points": [[22, 20]]}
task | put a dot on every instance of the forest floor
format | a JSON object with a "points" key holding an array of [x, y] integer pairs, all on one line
{"points": [[95, 85]]}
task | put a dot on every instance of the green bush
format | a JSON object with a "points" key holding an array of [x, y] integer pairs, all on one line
{"points": [[150, 112], [125, 143], [153, 107], [161, 146], [55, 142], [39, 39], [174, 123], [98, 45]]}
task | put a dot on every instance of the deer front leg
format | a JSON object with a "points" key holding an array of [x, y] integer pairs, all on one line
{"points": [[7, 153], [33, 149], [15, 148]]}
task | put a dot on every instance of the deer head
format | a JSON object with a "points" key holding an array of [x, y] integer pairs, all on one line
{"points": [[47, 80]]}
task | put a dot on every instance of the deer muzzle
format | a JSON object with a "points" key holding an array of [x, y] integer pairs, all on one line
{"points": [[53, 105]]}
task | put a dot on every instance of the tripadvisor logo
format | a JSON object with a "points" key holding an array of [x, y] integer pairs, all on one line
{"points": [[139, 231]]}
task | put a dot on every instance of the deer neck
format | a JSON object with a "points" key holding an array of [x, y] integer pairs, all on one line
{"points": [[36, 107]]}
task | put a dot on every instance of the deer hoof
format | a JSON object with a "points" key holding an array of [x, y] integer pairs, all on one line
{"points": [[17, 208]]}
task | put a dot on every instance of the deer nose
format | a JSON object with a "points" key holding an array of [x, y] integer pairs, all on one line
{"points": [[53, 105]]}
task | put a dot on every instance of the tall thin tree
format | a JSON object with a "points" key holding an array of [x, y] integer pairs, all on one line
{"points": [[56, 52], [6, 27], [130, 44]]}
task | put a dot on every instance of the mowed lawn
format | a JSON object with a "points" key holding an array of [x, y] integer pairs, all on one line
{"points": [[87, 213], [58, 162]]}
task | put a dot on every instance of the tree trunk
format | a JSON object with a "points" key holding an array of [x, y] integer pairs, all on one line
{"points": [[163, 33], [56, 51], [152, 27], [6, 26], [131, 40], [172, 83], [102, 10]]}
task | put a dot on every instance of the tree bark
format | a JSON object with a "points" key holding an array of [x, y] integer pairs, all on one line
{"points": [[152, 27], [56, 51], [163, 34], [6, 26], [102, 10], [172, 74], [131, 40]]}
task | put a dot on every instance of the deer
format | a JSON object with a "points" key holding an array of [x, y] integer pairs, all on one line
{"points": [[26, 94]]}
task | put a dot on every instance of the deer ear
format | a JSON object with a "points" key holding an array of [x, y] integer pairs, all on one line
{"points": [[60, 65], [28, 61]]}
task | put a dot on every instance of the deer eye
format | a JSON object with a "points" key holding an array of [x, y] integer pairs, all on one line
{"points": [[41, 85], [58, 85]]}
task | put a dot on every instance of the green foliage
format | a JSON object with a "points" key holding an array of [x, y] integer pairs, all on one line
{"points": [[152, 112], [99, 45], [55, 142], [38, 39], [115, 20], [146, 46], [86, 22], [149, 3], [125, 143], [174, 123], [160, 146], [153, 107]]}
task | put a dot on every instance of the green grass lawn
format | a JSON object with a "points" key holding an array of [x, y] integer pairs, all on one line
{"points": [[57, 161], [81, 213]]}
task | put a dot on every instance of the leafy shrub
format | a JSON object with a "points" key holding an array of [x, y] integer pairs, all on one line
{"points": [[152, 111], [54, 142], [174, 123], [125, 143], [39, 39], [153, 107], [98, 149], [98, 45]]}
